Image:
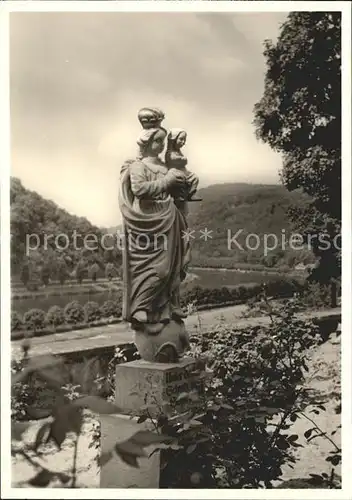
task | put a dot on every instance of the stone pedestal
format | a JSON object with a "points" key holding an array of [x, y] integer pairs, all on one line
{"points": [[141, 384]]}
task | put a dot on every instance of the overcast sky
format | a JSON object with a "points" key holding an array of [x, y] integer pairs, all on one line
{"points": [[78, 80]]}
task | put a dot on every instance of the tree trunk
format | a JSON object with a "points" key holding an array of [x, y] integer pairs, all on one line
{"points": [[333, 293]]}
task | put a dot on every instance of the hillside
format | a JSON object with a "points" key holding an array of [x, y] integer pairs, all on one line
{"points": [[253, 208], [40, 222]]}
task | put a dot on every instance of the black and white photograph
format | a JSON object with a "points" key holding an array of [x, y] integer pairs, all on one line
{"points": [[176, 249]]}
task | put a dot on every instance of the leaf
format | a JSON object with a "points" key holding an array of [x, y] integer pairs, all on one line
{"points": [[308, 433], [335, 460], [35, 365], [129, 459], [195, 423], [38, 413], [67, 418], [53, 377], [90, 373], [293, 417], [182, 395], [64, 478], [104, 458], [42, 479], [42, 435], [292, 438], [296, 445], [322, 407], [43, 362], [191, 448], [142, 419], [129, 448], [18, 429], [316, 479], [147, 438], [227, 407], [96, 405]]}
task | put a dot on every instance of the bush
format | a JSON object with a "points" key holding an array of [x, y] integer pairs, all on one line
{"points": [[118, 308], [279, 288], [33, 286], [256, 374], [21, 394], [74, 313], [16, 321], [316, 295], [108, 309], [91, 312], [55, 317], [34, 319]]}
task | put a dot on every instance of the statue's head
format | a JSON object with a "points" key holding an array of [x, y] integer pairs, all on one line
{"points": [[150, 118], [176, 139], [152, 142]]}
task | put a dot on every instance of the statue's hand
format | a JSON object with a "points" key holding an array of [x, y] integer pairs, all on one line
{"points": [[175, 178]]}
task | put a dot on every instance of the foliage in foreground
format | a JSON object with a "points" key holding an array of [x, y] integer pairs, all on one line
{"points": [[234, 434], [243, 437], [66, 415]]}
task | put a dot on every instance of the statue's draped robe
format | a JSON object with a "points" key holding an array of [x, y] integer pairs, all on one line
{"points": [[155, 256]]}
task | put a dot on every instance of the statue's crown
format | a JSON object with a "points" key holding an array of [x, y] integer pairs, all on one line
{"points": [[150, 117]]}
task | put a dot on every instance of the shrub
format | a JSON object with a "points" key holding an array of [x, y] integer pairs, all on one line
{"points": [[21, 394], [55, 317], [316, 295], [257, 373], [74, 313], [33, 286], [16, 321], [91, 312], [108, 309], [117, 307], [34, 319]]}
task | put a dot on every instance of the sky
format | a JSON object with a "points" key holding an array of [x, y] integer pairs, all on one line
{"points": [[77, 81]]}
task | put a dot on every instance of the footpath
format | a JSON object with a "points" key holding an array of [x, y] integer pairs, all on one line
{"points": [[110, 336]]}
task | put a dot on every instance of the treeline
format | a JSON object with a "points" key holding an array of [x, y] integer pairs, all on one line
{"points": [[50, 244], [254, 212]]}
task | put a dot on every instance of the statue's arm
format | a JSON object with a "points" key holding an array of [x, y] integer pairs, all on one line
{"points": [[142, 188]]}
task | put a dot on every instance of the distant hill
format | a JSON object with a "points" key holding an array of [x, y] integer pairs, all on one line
{"points": [[38, 222], [225, 209], [257, 210]]}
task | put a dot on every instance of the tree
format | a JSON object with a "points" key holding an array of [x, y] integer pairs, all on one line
{"points": [[25, 274], [299, 115], [62, 271], [110, 271], [93, 272], [81, 271], [45, 274]]}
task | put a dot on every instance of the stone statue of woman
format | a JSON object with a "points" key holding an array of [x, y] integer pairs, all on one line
{"points": [[155, 256]]}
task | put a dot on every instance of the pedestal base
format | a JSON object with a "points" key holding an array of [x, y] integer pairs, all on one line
{"points": [[166, 347], [141, 383]]}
